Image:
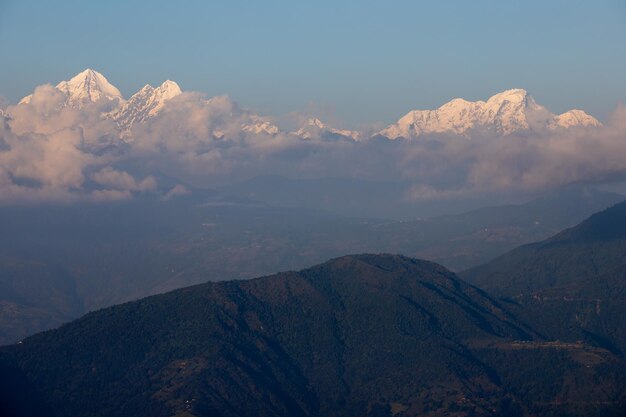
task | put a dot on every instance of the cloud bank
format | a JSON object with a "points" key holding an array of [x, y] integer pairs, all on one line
{"points": [[50, 151]]}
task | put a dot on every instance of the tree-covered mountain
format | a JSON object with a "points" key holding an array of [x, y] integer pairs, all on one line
{"points": [[573, 285], [373, 335]]}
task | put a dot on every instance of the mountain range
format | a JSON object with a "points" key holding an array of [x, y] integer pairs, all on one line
{"points": [[314, 128], [505, 113], [146, 103], [90, 86], [511, 111]]}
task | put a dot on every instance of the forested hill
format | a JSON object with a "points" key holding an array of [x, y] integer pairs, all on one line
{"points": [[573, 285], [374, 335]]}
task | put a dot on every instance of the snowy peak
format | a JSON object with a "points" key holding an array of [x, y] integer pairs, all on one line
{"points": [[514, 95], [314, 127], [513, 111], [86, 87], [508, 112], [504, 113], [575, 118], [168, 90], [146, 103], [258, 125], [315, 122]]}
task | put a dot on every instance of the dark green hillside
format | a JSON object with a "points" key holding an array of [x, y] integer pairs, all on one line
{"points": [[374, 335], [573, 285]]}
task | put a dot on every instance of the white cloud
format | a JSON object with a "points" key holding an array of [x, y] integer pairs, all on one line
{"points": [[175, 191], [120, 180], [49, 151]]}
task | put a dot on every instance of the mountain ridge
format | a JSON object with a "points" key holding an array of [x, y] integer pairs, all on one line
{"points": [[146, 103], [90, 86], [574, 280], [314, 127], [504, 113], [374, 335]]}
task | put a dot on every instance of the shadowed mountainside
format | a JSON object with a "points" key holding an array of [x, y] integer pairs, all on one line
{"points": [[572, 285], [374, 335]]}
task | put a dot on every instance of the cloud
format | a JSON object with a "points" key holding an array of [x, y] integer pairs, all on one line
{"points": [[52, 152], [123, 181], [36, 166], [176, 191], [532, 162], [47, 151]]}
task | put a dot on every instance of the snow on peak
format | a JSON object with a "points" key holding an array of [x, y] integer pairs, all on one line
{"points": [[88, 86], [314, 127], [169, 89], [146, 103], [146, 88], [512, 111], [315, 122], [504, 113], [516, 95], [85, 87], [574, 118], [259, 125]]}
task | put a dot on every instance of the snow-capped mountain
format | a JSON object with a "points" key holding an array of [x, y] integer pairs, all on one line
{"points": [[316, 128], [145, 103], [258, 125], [574, 118], [86, 87], [507, 112], [91, 86]]}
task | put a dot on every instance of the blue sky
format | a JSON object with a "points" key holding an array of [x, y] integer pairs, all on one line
{"points": [[357, 61]]}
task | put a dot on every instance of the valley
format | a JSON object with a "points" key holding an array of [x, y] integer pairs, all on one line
{"points": [[72, 260]]}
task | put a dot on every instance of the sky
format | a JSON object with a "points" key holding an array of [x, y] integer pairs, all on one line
{"points": [[356, 62]]}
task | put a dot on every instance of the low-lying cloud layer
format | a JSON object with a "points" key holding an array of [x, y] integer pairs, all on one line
{"points": [[53, 152]]}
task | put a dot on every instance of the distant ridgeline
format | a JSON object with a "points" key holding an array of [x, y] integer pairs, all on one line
{"points": [[510, 111], [370, 335]]}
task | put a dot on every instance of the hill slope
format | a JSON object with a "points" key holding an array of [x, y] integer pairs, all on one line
{"points": [[375, 335], [573, 284]]}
